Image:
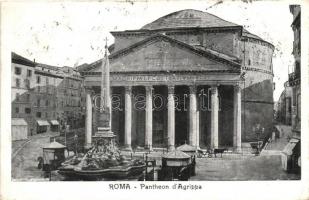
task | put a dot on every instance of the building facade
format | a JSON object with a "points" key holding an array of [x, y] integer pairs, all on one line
{"points": [[284, 106], [188, 77], [22, 72], [295, 76], [47, 97]]}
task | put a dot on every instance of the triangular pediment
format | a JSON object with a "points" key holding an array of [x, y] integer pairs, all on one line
{"points": [[161, 53]]}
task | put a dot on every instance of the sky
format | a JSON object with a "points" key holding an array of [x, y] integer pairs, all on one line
{"points": [[73, 33]]}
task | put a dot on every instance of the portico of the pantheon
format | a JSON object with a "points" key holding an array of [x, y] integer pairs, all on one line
{"points": [[188, 77]]}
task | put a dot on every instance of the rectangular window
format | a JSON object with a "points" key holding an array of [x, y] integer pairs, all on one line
{"points": [[46, 103], [27, 83], [38, 79], [28, 110], [17, 82], [47, 81], [17, 97], [298, 106], [288, 104], [39, 89], [16, 110], [46, 115], [28, 97], [17, 70], [29, 73], [294, 96], [38, 114], [38, 102]]}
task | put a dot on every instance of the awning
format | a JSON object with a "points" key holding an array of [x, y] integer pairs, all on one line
{"points": [[42, 123], [176, 154], [288, 149], [54, 122], [186, 147], [54, 145], [19, 122]]}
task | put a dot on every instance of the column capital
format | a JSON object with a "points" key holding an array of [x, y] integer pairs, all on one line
{"points": [[148, 89], [214, 89], [237, 88], [128, 89], [192, 89], [170, 89], [89, 89]]}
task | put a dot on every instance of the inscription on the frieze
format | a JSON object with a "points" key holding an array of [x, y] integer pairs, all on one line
{"points": [[153, 78]]}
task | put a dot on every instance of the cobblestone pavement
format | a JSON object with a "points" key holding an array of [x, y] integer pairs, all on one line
{"points": [[229, 167], [279, 143], [24, 164], [266, 167], [18, 145]]}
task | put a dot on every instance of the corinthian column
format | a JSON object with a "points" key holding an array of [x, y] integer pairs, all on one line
{"points": [[193, 117], [148, 136], [88, 123], [237, 118], [214, 117], [171, 118], [128, 117]]}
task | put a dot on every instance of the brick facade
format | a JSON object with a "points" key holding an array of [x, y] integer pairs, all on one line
{"points": [[54, 93]]}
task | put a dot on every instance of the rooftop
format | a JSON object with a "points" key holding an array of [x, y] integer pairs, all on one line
{"points": [[190, 18], [186, 148], [187, 19], [21, 60], [176, 154]]}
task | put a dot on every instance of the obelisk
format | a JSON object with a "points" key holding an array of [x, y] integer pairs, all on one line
{"points": [[104, 118]]}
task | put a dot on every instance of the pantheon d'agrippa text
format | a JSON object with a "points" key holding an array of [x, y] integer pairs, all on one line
{"points": [[187, 77]]}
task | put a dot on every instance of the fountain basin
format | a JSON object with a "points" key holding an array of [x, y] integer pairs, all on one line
{"points": [[113, 173]]}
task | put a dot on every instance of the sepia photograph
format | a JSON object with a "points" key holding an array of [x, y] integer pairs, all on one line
{"points": [[143, 91]]}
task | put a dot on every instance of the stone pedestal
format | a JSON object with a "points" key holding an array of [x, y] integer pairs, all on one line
{"points": [[104, 129]]}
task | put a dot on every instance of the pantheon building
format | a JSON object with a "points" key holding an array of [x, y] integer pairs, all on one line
{"points": [[187, 77]]}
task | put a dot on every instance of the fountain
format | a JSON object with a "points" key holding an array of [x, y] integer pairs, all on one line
{"points": [[103, 161]]}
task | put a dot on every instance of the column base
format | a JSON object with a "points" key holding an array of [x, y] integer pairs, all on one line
{"points": [[127, 148], [87, 147], [237, 150], [171, 148], [149, 147]]}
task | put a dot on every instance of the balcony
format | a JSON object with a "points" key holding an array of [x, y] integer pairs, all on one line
{"points": [[296, 47], [294, 78]]}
